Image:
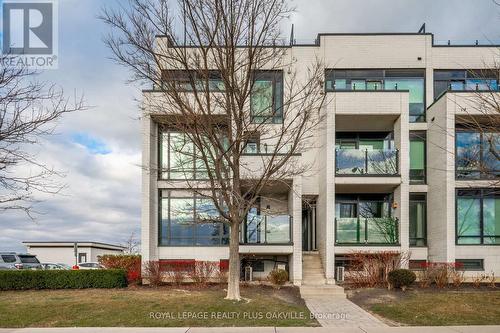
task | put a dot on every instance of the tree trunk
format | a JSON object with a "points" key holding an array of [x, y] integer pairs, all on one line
{"points": [[233, 281]]}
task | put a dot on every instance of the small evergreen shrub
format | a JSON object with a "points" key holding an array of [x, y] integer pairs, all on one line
{"points": [[278, 277], [62, 279], [401, 278]]}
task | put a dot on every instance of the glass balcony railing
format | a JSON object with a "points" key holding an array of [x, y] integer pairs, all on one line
{"points": [[358, 162], [371, 231], [266, 149], [267, 229]]}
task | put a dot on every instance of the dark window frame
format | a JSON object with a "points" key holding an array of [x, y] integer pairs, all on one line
{"points": [[277, 103], [482, 175], [196, 171], [459, 264], [188, 77], [380, 75], [424, 200], [418, 136], [465, 74], [223, 236], [476, 193]]}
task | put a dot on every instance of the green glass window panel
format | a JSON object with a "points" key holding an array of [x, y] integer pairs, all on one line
{"points": [[278, 229], [382, 231], [417, 223], [262, 99], [414, 86], [358, 84], [374, 85], [371, 144], [417, 154], [181, 152], [468, 220], [491, 216], [340, 84], [349, 230]]}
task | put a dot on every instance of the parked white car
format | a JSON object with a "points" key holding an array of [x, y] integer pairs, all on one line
{"points": [[90, 265], [51, 266]]}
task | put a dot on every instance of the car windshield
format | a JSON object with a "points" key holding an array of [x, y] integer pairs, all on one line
{"points": [[29, 260]]}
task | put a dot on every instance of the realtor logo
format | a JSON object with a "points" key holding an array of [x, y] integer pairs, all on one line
{"points": [[29, 35]]}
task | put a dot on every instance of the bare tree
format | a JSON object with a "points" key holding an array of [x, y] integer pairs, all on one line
{"points": [[132, 245], [29, 110], [219, 83]]}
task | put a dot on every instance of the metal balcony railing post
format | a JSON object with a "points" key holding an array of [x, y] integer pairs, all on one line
{"points": [[366, 161], [366, 230], [397, 161], [358, 231]]}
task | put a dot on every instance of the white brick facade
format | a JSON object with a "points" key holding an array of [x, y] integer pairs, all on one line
{"points": [[363, 111]]}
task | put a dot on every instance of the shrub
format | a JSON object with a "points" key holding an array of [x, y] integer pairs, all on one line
{"points": [[477, 280], [62, 279], [371, 269], [457, 278], [440, 275], [130, 263], [203, 271], [424, 278], [153, 272], [278, 277], [401, 278]]}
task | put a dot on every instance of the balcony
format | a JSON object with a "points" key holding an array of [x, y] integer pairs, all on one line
{"points": [[367, 231], [254, 148], [267, 230], [357, 162]]}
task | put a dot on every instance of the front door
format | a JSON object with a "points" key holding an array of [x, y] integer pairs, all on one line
{"points": [[309, 227]]}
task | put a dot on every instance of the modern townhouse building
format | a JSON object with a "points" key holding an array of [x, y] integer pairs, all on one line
{"points": [[392, 169]]}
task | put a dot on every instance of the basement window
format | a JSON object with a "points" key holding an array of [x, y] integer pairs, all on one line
{"points": [[470, 264]]}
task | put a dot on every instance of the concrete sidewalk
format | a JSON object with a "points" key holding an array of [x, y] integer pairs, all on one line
{"points": [[361, 329]]}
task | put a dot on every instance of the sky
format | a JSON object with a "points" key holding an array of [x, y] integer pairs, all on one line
{"points": [[99, 149]]}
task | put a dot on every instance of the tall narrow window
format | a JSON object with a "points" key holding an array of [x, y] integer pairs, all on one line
{"points": [[266, 101], [418, 220], [417, 157]]}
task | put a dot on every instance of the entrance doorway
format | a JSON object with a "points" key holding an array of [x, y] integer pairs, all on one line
{"points": [[309, 226]]}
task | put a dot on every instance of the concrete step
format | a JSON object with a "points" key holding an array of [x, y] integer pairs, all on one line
{"points": [[314, 282], [312, 270], [322, 290], [313, 274]]}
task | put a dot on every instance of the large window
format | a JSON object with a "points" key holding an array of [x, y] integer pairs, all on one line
{"points": [[266, 101], [478, 217], [365, 219], [476, 155], [462, 79], [190, 221], [417, 157], [418, 220], [181, 159], [189, 81], [375, 79]]}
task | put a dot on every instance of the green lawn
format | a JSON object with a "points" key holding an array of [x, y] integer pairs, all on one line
{"points": [[442, 308], [263, 306]]}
